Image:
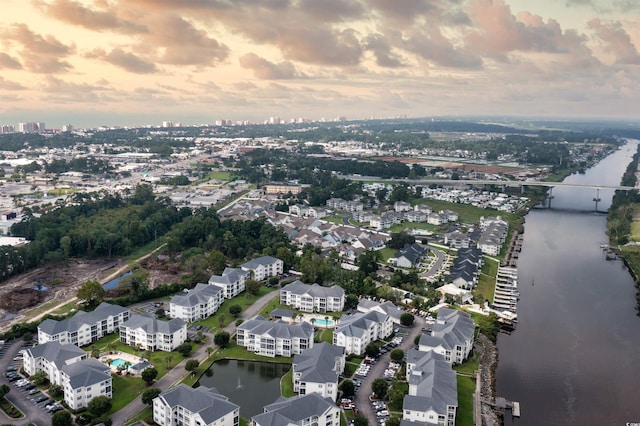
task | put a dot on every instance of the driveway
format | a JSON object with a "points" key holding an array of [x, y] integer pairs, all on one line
{"points": [[34, 413], [363, 404]]}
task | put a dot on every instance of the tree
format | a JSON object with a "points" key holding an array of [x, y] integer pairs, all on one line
{"points": [[397, 355], [217, 261], [222, 339], [221, 319], [407, 319], [62, 418], [209, 350], [348, 388], [235, 310], [99, 405], [39, 378], [252, 286], [149, 375], [168, 360], [149, 395], [360, 420], [27, 336], [112, 346], [191, 365], [91, 292], [351, 301], [4, 389], [95, 352], [185, 349], [368, 261], [56, 390], [399, 239], [392, 421], [160, 313], [379, 387], [372, 350]]}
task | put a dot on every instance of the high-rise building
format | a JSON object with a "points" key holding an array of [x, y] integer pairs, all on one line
{"points": [[31, 127], [7, 128]]}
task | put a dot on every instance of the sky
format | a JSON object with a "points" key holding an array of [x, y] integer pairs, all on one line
{"points": [[141, 62]]}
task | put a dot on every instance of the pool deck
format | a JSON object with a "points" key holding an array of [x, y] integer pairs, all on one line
{"points": [[320, 319], [109, 357]]}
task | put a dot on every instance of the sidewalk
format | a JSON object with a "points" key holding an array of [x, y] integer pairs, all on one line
{"points": [[178, 373]]}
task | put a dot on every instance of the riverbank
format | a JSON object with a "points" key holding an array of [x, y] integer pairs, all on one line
{"points": [[487, 363]]}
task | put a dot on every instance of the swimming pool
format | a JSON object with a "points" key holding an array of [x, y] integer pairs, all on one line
{"points": [[118, 362], [323, 322]]}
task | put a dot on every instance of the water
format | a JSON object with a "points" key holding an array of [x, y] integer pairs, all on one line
{"points": [[114, 282], [573, 358], [118, 362], [250, 384]]}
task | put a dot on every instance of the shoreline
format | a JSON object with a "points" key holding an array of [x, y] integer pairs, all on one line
{"points": [[487, 364]]}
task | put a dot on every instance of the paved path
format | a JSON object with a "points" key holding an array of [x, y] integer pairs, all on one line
{"points": [[178, 373], [363, 404]]}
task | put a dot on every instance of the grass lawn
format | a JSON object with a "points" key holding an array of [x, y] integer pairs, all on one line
{"points": [[146, 416], [334, 219], [125, 390], [219, 175], [351, 366], [387, 253], [223, 317], [635, 230], [414, 225], [325, 335], [487, 279], [469, 366], [632, 256], [466, 388], [286, 384]]}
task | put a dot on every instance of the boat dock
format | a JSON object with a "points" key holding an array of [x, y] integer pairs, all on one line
{"points": [[501, 404]]}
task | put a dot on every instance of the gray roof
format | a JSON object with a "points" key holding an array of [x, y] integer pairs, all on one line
{"points": [[200, 294], [287, 411], [207, 402], [318, 363], [55, 352], [229, 276], [281, 313], [314, 290], [103, 311], [358, 324], [86, 373], [152, 325], [435, 383], [277, 329], [387, 307], [404, 422], [260, 261], [454, 327], [412, 252]]}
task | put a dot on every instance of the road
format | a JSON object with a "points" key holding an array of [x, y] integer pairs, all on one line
{"points": [[363, 404], [178, 373]]}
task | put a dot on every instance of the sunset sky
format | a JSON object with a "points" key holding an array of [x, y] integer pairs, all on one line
{"points": [[139, 62]]}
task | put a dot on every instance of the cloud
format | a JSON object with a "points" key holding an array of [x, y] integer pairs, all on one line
{"points": [[96, 20], [10, 85], [178, 42], [266, 70], [7, 61], [381, 49], [435, 48], [40, 54], [125, 60], [405, 11], [331, 10], [616, 40]]}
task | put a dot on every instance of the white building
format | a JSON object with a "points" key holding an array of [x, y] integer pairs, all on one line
{"points": [[452, 336], [312, 297], [153, 334], [264, 267], [183, 405], [356, 331], [318, 369], [84, 328], [232, 281], [304, 410], [199, 303], [273, 338], [84, 380]]}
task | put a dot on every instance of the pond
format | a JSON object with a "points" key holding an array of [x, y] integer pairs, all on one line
{"points": [[250, 384], [114, 282]]}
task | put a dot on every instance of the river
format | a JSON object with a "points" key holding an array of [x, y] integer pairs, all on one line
{"points": [[573, 359]]}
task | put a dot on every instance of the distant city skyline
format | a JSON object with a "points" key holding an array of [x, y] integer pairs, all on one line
{"points": [[143, 62]]}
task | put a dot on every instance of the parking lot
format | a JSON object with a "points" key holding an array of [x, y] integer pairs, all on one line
{"points": [[27, 397]]}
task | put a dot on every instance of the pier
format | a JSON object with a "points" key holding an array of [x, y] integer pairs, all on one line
{"points": [[502, 405]]}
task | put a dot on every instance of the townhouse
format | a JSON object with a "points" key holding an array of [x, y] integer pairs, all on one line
{"points": [[148, 333], [409, 256], [232, 282], [312, 297], [199, 303], [302, 410], [452, 336], [354, 332], [184, 405], [84, 328], [274, 338], [318, 369], [387, 308], [264, 267]]}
